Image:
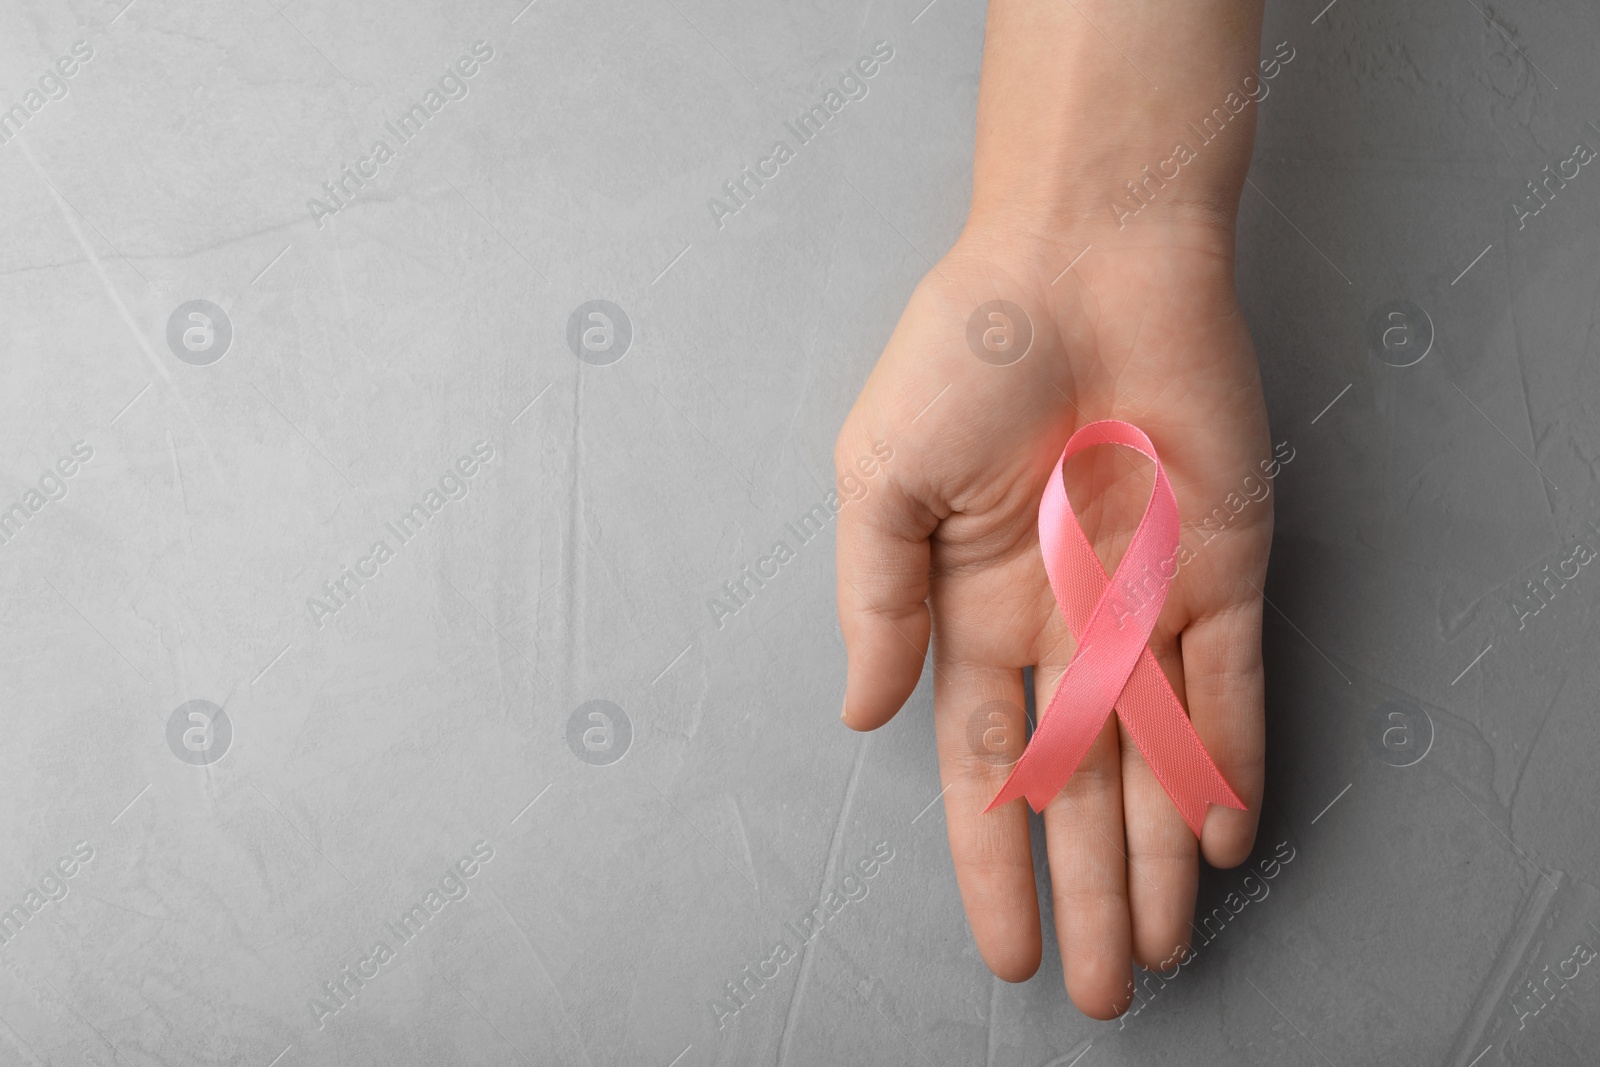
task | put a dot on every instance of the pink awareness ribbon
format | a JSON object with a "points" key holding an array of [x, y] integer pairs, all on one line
{"points": [[1112, 621]]}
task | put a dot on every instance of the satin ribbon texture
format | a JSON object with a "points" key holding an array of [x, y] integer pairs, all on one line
{"points": [[1113, 667]]}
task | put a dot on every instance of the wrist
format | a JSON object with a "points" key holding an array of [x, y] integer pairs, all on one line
{"points": [[1055, 230], [1074, 137], [1146, 165]]}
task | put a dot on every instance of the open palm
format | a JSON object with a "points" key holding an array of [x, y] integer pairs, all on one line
{"points": [[1146, 328]]}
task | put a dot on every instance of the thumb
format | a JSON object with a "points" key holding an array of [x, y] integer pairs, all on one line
{"points": [[883, 560]]}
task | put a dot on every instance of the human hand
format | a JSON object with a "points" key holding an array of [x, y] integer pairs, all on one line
{"points": [[1146, 328]]}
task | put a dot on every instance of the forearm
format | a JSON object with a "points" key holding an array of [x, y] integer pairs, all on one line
{"points": [[1117, 113]]}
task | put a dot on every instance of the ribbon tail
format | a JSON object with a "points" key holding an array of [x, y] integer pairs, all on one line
{"points": [[1163, 733], [1194, 805], [1063, 738]]}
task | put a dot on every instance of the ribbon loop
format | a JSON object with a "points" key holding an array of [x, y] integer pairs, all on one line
{"points": [[1112, 620]]}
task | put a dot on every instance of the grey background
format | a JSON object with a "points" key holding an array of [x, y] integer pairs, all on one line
{"points": [[371, 752]]}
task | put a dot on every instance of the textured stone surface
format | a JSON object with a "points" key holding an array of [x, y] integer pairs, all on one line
{"points": [[370, 750]]}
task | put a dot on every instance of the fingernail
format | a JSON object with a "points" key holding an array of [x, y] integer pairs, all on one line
{"points": [[844, 713]]}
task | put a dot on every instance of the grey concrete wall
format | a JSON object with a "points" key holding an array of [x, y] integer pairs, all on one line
{"points": [[186, 882]]}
